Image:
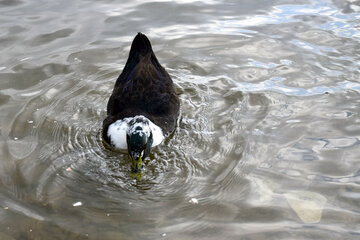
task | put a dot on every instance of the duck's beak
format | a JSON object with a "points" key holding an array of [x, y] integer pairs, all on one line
{"points": [[136, 161]]}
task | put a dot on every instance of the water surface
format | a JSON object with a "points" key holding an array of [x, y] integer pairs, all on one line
{"points": [[266, 147]]}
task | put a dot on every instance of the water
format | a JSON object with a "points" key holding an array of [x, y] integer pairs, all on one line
{"points": [[267, 145]]}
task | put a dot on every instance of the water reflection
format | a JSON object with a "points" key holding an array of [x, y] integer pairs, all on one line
{"points": [[266, 145]]}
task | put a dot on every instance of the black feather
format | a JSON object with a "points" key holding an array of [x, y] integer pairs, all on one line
{"points": [[140, 45], [143, 88]]}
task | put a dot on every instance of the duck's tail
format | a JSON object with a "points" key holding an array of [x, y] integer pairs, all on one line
{"points": [[140, 46]]}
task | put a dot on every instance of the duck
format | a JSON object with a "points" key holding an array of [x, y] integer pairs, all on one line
{"points": [[143, 107]]}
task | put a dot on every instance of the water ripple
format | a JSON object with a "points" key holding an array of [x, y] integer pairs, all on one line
{"points": [[269, 121]]}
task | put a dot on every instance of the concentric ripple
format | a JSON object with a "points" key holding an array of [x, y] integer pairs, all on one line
{"points": [[266, 145]]}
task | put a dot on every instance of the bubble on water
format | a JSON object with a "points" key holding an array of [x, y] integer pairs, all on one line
{"points": [[77, 204], [77, 60]]}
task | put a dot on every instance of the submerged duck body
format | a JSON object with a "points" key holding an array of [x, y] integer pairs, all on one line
{"points": [[143, 107]]}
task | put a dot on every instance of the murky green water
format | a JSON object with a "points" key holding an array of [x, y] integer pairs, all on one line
{"points": [[267, 146]]}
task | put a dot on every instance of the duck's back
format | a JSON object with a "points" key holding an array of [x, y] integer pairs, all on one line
{"points": [[144, 88]]}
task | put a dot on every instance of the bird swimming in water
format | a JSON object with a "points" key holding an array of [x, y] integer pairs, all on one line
{"points": [[143, 107]]}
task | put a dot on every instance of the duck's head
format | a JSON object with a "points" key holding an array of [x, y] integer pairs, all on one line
{"points": [[139, 139]]}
